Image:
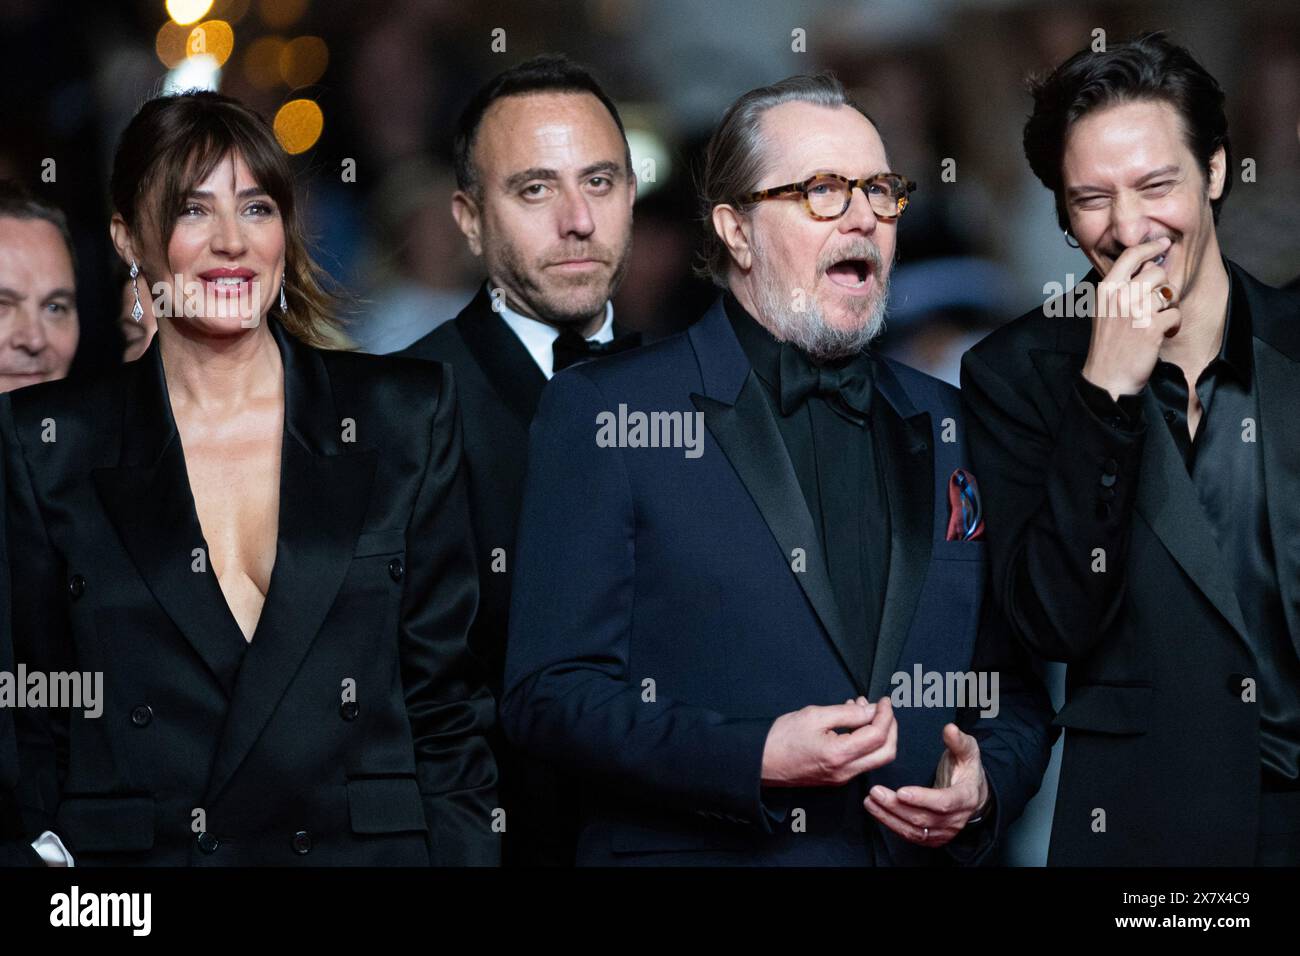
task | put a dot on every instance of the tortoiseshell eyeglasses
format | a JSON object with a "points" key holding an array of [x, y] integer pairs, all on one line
{"points": [[827, 195]]}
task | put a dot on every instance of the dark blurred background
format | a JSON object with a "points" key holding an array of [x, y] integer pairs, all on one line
{"points": [[374, 87]]}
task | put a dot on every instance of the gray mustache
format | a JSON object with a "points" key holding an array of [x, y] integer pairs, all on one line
{"points": [[862, 250]]}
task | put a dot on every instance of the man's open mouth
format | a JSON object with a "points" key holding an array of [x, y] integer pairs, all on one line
{"points": [[850, 273]]}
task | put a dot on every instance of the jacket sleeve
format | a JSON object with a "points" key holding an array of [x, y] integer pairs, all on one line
{"points": [[38, 626], [572, 693], [1059, 500], [447, 700]]}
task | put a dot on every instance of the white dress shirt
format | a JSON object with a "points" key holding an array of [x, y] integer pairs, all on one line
{"points": [[538, 337]]}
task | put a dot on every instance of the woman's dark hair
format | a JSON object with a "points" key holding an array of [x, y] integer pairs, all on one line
{"points": [[550, 73], [1146, 68], [171, 145]]}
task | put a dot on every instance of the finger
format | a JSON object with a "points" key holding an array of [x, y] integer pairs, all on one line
{"points": [[937, 836], [860, 742], [876, 754], [1169, 297], [1151, 271], [1173, 320], [884, 712], [1153, 286], [940, 800], [843, 715], [1126, 266], [867, 737], [917, 816], [961, 745]]}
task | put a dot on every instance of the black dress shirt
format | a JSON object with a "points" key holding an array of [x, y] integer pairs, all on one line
{"points": [[837, 464], [1227, 469]]}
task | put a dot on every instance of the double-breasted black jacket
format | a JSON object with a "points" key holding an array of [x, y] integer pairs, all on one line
{"points": [[350, 730]]}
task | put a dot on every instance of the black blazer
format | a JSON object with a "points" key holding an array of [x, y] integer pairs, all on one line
{"points": [[499, 386], [211, 750], [1157, 734], [14, 849]]}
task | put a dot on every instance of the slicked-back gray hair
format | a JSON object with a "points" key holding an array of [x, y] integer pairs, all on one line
{"points": [[734, 159]]}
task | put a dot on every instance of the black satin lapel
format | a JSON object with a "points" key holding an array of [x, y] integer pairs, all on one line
{"points": [[1277, 386], [1168, 501], [147, 498], [153, 511], [504, 359], [907, 461], [749, 438], [323, 502]]}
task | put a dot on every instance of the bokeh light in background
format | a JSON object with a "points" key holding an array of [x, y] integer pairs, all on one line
{"points": [[170, 44], [175, 42], [262, 62], [382, 83], [298, 125], [199, 72], [195, 50], [213, 37], [188, 11], [232, 11], [278, 14], [302, 61]]}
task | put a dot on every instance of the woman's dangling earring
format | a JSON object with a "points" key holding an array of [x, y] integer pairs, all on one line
{"points": [[1068, 237], [284, 303], [137, 310]]}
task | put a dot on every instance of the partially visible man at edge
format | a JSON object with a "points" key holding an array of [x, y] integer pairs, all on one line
{"points": [[39, 327], [1140, 454]]}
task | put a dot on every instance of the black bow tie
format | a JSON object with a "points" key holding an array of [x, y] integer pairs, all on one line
{"points": [[570, 347], [847, 389]]}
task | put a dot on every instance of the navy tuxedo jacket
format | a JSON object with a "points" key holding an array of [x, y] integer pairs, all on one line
{"points": [[659, 624]]}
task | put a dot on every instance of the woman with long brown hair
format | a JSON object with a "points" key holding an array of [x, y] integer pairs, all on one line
{"points": [[258, 537]]}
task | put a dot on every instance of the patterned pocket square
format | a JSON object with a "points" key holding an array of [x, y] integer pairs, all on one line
{"points": [[965, 515]]}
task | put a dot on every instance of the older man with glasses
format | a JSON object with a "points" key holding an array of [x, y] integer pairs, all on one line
{"points": [[776, 542]]}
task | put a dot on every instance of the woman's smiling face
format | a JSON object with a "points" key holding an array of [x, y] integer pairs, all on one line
{"points": [[228, 248]]}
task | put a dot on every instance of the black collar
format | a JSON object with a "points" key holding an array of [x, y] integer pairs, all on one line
{"points": [[1236, 351], [761, 347], [768, 355]]}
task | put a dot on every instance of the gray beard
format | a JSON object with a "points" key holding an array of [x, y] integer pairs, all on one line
{"points": [[808, 330]]}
